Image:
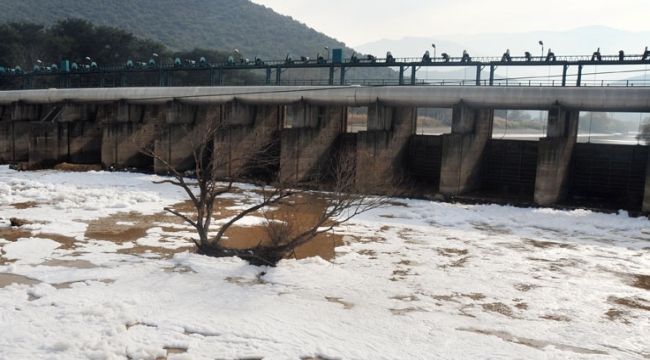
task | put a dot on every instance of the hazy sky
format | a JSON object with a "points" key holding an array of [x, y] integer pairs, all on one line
{"points": [[357, 22]]}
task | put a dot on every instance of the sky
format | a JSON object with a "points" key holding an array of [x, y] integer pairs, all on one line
{"points": [[357, 22]]}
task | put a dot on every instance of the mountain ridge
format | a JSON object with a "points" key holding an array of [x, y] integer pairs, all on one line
{"points": [[578, 41], [255, 30]]}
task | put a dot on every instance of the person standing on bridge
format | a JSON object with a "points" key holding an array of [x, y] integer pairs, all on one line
{"points": [[426, 58], [550, 57], [389, 58], [506, 56], [596, 56], [466, 57], [646, 54]]}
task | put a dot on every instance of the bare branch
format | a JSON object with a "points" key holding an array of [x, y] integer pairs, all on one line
{"points": [[167, 182], [180, 215], [341, 204], [250, 210]]}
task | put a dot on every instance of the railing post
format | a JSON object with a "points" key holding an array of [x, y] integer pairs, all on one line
{"points": [[413, 71], [278, 75], [478, 75], [579, 81], [492, 68], [401, 75], [268, 75], [331, 79], [564, 71], [220, 76], [342, 75]]}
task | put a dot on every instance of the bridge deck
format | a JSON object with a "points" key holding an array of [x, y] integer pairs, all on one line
{"points": [[533, 98]]}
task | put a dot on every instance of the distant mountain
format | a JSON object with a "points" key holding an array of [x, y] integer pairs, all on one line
{"points": [[580, 41], [182, 25]]}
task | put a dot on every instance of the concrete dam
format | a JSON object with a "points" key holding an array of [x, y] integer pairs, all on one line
{"points": [[302, 128]]}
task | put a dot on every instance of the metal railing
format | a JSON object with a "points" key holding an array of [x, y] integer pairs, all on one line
{"points": [[248, 73]]}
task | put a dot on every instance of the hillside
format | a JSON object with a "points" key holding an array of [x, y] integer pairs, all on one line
{"points": [[182, 25]]}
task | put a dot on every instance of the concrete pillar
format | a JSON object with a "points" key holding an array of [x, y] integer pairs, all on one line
{"points": [[14, 131], [181, 131], [68, 133], [127, 129], [463, 150], [308, 143], [84, 133], [246, 139], [48, 144], [381, 150], [14, 141], [6, 142], [645, 207], [554, 156]]}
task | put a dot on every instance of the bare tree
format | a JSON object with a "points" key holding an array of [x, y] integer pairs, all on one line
{"points": [[342, 202], [202, 187]]}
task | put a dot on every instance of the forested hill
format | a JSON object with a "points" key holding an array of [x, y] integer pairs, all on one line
{"points": [[215, 24]]}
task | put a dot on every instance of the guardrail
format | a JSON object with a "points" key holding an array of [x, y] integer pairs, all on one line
{"points": [[248, 72]]}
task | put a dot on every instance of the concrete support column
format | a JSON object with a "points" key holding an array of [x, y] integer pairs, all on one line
{"points": [[380, 163], [126, 130], [308, 143], [246, 139], [48, 144], [6, 136], [181, 130], [84, 133], [464, 148], [65, 133], [14, 132], [645, 207], [47, 140], [554, 156]]}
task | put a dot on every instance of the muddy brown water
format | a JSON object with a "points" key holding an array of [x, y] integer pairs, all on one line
{"points": [[14, 233], [67, 242], [128, 227], [534, 343], [78, 167], [25, 205], [299, 214], [642, 281], [77, 264], [8, 279], [631, 302], [123, 227]]}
